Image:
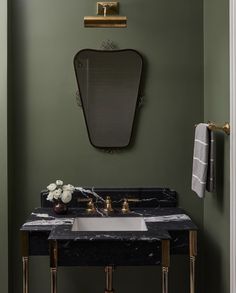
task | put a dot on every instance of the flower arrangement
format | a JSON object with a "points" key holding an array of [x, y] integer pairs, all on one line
{"points": [[57, 191]]}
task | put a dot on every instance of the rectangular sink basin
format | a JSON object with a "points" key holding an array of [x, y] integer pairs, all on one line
{"points": [[110, 224]]}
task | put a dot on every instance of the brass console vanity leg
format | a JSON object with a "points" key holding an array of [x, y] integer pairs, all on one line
{"points": [[53, 265], [25, 260], [193, 254], [165, 262], [109, 279]]}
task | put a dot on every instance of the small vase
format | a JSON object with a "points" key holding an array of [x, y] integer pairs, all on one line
{"points": [[59, 207]]}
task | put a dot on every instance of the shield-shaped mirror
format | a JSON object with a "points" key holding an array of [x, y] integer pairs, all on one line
{"points": [[109, 83]]}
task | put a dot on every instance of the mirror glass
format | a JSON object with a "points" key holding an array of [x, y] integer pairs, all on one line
{"points": [[108, 83]]}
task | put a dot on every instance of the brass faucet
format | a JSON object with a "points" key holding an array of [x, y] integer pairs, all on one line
{"points": [[108, 205], [125, 207], [90, 204]]}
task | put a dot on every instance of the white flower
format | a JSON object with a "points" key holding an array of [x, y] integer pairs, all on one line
{"points": [[59, 182], [50, 196], [51, 186], [68, 187], [57, 193], [66, 196]]}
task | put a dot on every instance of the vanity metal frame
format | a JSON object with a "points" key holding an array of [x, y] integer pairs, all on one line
{"points": [[25, 260], [53, 264], [109, 279], [53, 251], [165, 263], [165, 244], [193, 255]]}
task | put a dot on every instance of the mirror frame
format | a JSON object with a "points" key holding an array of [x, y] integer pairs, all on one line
{"points": [[80, 94]]}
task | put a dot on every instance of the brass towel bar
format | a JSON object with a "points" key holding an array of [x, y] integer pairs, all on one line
{"points": [[225, 127]]}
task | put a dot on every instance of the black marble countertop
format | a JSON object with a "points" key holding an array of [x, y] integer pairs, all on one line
{"points": [[88, 248], [159, 221]]}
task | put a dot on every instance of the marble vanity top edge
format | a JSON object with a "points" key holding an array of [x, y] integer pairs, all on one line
{"points": [[162, 219], [65, 233]]}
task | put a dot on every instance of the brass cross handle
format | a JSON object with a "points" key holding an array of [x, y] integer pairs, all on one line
{"points": [[125, 207], [90, 204]]}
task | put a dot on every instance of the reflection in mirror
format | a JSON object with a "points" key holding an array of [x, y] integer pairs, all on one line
{"points": [[108, 84]]}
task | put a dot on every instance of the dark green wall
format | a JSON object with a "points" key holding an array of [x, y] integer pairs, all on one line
{"points": [[48, 134], [216, 108]]}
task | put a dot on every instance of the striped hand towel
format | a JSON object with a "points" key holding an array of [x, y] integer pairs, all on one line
{"points": [[203, 175]]}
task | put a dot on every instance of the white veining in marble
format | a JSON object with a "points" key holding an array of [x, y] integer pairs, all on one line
{"points": [[84, 191], [53, 222], [42, 215], [140, 200], [169, 218]]}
